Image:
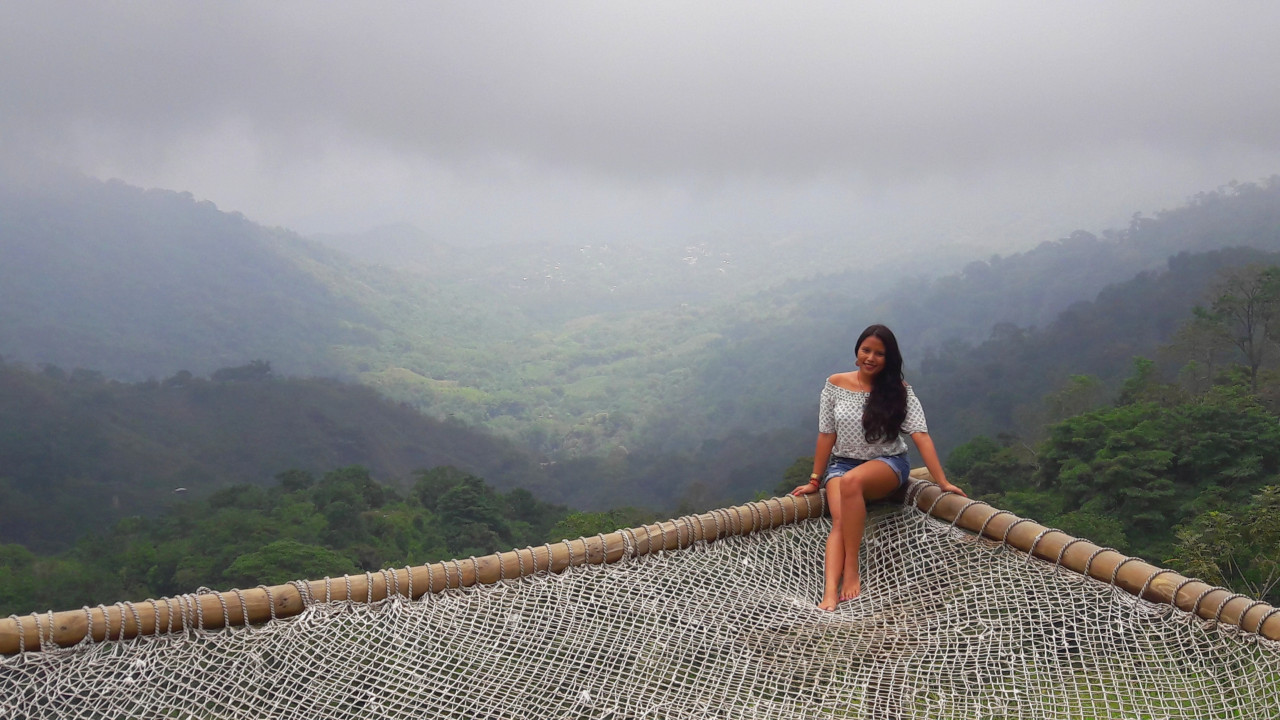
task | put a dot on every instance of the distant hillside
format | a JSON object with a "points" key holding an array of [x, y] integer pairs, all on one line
{"points": [[538, 342], [81, 451], [998, 385], [1029, 289], [642, 351], [144, 283], [762, 374]]}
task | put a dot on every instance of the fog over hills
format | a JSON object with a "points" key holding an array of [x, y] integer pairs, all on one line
{"points": [[561, 280], [143, 283], [573, 351]]}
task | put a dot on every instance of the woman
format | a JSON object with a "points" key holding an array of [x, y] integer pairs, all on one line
{"points": [[861, 454]]}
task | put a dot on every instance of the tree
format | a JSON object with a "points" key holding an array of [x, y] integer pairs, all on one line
{"points": [[432, 484], [1081, 394], [472, 515], [352, 485], [1104, 530], [1239, 549], [1200, 347], [295, 480], [182, 378], [986, 467], [1152, 466], [285, 560], [1144, 385], [1246, 302], [590, 524]]}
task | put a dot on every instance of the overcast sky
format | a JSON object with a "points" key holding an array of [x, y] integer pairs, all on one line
{"points": [[999, 124]]}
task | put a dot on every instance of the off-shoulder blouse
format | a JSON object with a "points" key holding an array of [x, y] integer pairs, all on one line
{"points": [[840, 412]]}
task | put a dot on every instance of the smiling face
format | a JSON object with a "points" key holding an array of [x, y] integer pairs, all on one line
{"points": [[871, 356]]}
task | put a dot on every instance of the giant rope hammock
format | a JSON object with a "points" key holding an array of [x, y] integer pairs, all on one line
{"points": [[967, 612]]}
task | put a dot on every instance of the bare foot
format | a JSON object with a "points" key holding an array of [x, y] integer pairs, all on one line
{"points": [[828, 603], [851, 590]]}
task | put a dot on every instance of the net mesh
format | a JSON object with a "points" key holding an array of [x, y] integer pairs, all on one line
{"points": [[949, 626]]}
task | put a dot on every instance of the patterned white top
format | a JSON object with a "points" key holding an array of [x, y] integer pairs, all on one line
{"points": [[840, 412]]}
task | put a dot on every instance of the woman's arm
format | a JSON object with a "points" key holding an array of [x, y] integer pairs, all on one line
{"points": [[929, 454], [821, 455]]}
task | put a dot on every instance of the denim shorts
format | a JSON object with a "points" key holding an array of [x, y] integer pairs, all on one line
{"points": [[841, 465]]}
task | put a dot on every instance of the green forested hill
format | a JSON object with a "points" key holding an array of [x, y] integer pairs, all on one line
{"points": [[1179, 473], [299, 525], [1187, 479], [1007, 330], [81, 451], [998, 385]]}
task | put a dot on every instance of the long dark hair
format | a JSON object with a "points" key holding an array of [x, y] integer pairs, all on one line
{"points": [[886, 409]]}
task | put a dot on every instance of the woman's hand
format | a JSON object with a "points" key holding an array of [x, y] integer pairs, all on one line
{"points": [[805, 489], [929, 454]]}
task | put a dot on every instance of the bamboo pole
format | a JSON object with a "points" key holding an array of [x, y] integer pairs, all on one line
{"points": [[1132, 575], [211, 610]]}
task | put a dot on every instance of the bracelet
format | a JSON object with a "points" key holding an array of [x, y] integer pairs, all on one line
{"points": [[813, 479]]}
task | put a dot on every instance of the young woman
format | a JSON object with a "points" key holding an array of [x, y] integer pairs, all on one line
{"points": [[861, 453]]}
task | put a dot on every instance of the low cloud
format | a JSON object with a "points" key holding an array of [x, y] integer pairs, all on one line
{"points": [[549, 119]]}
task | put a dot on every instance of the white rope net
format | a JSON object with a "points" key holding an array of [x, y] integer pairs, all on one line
{"points": [[949, 626]]}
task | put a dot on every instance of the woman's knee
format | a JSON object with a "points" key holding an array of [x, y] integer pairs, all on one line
{"points": [[850, 485]]}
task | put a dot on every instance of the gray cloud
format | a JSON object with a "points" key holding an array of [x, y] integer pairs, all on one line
{"points": [[510, 118]]}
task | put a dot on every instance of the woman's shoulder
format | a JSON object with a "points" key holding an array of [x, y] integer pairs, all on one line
{"points": [[843, 381], [838, 379]]}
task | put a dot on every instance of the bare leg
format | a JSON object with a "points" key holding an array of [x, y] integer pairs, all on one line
{"points": [[833, 558], [871, 480]]}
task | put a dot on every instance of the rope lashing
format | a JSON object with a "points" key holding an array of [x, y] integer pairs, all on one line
{"points": [[1031, 552], [982, 531], [22, 635], [1004, 540], [271, 600]]}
